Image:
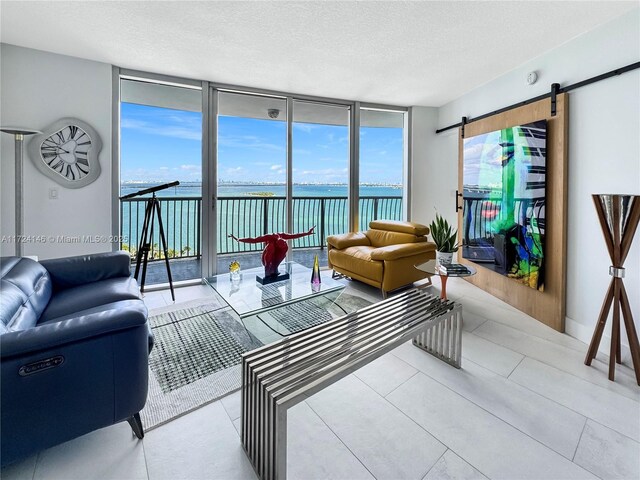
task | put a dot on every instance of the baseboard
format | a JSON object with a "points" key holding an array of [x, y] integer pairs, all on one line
{"points": [[584, 334]]}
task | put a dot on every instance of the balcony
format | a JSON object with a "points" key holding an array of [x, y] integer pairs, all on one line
{"points": [[244, 217]]}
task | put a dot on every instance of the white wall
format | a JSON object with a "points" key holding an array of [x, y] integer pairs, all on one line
{"points": [[604, 153], [37, 88]]}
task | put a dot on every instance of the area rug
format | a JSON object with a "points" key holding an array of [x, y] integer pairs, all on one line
{"points": [[198, 349]]}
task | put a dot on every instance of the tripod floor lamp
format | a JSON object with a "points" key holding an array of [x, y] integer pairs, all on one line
{"points": [[19, 134], [619, 216]]}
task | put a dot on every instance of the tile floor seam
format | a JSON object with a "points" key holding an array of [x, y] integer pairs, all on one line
{"points": [[549, 364], [477, 326], [436, 462], [610, 428], [575, 411], [144, 455], [340, 440], [496, 343], [495, 416], [35, 465], [514, 368], [579, 440], [400, 411], [527, 333]]}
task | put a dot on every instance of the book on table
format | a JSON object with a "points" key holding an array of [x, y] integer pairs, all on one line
{"points": [[454, 269]]}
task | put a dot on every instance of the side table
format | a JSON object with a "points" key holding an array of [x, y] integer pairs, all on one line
{"points": [[432, 268]]}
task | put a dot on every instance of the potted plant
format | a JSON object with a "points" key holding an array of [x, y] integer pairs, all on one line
{"points": [[445, 239]]}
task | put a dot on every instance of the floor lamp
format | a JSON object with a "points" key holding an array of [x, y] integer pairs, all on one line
{"points": [[19, 134], [619, 216]]}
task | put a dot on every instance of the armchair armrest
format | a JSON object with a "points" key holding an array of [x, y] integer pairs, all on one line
{"points": [[394, 252], [347, 240], [73, 271], [54, 334]]}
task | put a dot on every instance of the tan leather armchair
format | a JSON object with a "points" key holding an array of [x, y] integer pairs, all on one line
{"points": [[384, 256]]}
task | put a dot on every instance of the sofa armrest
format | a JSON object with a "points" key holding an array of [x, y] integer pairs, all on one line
{"points": [[55, 334], [347, 240], [73, 271], [393, 252]]}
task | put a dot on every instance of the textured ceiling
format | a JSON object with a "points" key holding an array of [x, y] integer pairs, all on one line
{"points": [[403, 53]]}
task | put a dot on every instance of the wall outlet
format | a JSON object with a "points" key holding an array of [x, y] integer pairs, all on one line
{"points": [[53, 194]]}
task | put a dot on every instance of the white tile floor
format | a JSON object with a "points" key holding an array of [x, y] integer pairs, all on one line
{"points": [[523, 406]]}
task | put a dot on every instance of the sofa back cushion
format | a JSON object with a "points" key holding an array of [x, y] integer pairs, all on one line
{"points": [[25, 292], [384, 238], [401, 227]]}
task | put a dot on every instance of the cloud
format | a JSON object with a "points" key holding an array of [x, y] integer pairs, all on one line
{"points": [[304, 127], [248, 141], [191, 167], [184, 131], [276, 167]]}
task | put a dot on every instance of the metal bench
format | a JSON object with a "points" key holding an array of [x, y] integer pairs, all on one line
{"points": [[280, 375]]}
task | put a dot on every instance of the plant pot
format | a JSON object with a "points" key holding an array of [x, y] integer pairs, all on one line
{"points": [[444, 258]]}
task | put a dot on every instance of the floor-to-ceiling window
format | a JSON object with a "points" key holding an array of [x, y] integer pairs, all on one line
{"points": [[275, 163], [161, 142], [320, 176], [382, 165], [251, 174]]}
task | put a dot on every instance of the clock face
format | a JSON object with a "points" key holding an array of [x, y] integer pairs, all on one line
{"points": [[66, 152]]}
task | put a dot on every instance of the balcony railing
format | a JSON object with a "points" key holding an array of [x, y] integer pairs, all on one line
{"points": [[480, 211], [248, 217]]}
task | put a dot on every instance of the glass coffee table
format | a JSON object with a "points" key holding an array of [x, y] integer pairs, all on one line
{"points": [[272, 311]]}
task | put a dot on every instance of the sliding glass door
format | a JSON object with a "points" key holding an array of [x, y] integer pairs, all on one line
{"points": [[161, 142], [320, 176], [382, 165], [251, 174]]}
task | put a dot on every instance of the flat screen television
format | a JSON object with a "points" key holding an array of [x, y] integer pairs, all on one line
{"points": [[504, 180]]}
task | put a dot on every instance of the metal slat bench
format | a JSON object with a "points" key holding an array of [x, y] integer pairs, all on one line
{"points": [[280, 375]]}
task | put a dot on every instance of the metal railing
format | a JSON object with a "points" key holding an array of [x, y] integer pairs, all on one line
{"points": [[479, 212], [249, 217]]}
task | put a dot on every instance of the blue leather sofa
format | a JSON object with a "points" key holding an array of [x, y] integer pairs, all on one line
{"points": [[74, 350]]}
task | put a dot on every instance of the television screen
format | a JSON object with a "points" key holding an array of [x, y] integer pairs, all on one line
{"points": [[504, 177]]}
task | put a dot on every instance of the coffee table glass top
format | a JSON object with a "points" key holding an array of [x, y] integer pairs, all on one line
{"points": [[248, 297], [432, 268]]}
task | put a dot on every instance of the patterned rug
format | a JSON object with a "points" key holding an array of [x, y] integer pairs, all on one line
{"points": [[197, 352]]}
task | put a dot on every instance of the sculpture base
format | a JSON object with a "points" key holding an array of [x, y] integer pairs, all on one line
{"points": [[272, 279]]}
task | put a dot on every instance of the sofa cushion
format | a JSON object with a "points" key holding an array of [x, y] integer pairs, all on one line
{"points": [[76, 299], [25, 292], [384, 238], [357, 260], [346, 240], [401, 227]]}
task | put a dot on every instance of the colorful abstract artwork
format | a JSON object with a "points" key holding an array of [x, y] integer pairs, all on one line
{"points": [[504, 178]]}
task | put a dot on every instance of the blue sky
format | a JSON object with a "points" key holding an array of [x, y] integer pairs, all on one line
{"points": [[160, 145]]}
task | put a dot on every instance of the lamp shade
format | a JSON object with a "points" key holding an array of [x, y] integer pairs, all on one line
{"points": [[19, 130]]}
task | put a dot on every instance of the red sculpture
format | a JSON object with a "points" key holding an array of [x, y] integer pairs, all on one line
{"points": [[275, 249]]}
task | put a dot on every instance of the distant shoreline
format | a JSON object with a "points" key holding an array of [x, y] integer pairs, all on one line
{"points": [[129, 183]]}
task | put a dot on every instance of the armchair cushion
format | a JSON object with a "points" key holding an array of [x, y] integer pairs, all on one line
{"points": [[25, 291], [357, 260], [111, 318], [348, 240], [401, 227], [83, 269], [383, 238], [394, 252], [76, 299]]}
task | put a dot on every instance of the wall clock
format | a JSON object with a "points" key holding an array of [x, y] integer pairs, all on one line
{"points": [[67, 152]]}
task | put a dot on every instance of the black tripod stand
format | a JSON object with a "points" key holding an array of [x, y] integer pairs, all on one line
{"points": [[152, 211]]}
